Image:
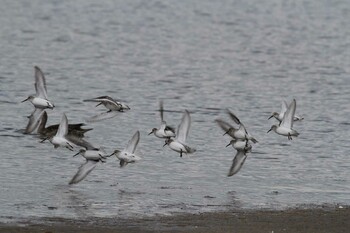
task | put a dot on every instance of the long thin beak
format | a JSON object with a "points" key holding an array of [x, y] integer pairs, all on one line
{"points": [[228, 144], [98, 104], [269, 130], [225, 133], [43, 140], [111, 154], [25, 100], [150, 133], [76, 154], [165, 144], [270, 117]]}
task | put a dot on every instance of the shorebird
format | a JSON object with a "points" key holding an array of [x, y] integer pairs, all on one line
{"points": [[241, 133], [93, 156], [279, 116], [240, 144], [40, 100], [110, 103], [285, 128], [179, 143], [50, 131], [164, 130], [128, 154], [60, 138], [237, 162]]}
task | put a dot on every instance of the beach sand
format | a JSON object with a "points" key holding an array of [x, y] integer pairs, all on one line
{"points": [[294, 220]]}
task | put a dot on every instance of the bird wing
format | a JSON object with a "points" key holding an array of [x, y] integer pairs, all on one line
{"points": [[34, 120], [63, 127], [103, 116], [161, 110], [237, 162], [224, 125], [83, 171], [132, 144], [102, 99], [184, 127], [288, 117], [79, 141], [40, 83], [284, 107], [233, 117]]}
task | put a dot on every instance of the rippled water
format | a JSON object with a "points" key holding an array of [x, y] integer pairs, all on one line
{"points": [[204, 56]]}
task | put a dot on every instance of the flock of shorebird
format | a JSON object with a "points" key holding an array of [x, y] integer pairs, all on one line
{"points": [[71, 136]]}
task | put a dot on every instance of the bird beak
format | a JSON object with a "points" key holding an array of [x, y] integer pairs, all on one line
{"points": [[225, 133], [165, 144], [150, 133], [98, 104], [111, 154], [228, 144], [76, 154], [25, 100], [269, 130], [270, 117], [43, 140]]}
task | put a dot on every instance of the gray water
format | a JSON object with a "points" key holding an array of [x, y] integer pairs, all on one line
{"points": [[204, 56]]}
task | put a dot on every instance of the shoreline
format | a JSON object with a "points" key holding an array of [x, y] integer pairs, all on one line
{"points": [[321, 219]]}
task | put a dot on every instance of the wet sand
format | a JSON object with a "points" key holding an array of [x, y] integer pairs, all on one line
{"points": [[295, 220]]}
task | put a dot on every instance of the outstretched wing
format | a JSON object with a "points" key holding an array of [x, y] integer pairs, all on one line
{"points": [[184, 127], [63, 127], [224, 125], [103, 116], [103, 99], [237, 162], [132, 144], [161, 110], [233, 117], [288, 118], [83, 171], [80, 142], [284, 107], [40, 83], [34, 120]]}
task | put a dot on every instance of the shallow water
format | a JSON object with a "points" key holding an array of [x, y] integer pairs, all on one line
{"points": [[202, 56]]}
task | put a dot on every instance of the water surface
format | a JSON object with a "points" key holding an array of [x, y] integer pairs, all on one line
{"points": [[203, 56]]}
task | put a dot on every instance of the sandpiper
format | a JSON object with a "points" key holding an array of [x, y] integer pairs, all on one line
{"points": [[128, 154], [285, 128], [59, 139], [178, 144], [279, 116], [164, 130], [240, 144], [40, 100], [110, 103]]}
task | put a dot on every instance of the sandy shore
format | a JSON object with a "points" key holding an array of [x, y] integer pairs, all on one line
{"points": [[295, 220]]}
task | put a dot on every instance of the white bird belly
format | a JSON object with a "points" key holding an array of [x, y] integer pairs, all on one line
{"points": [[284, 131], [178, 147], [127, 157], [93, 155], [240, 145], [41, 103], [113, 107]]}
